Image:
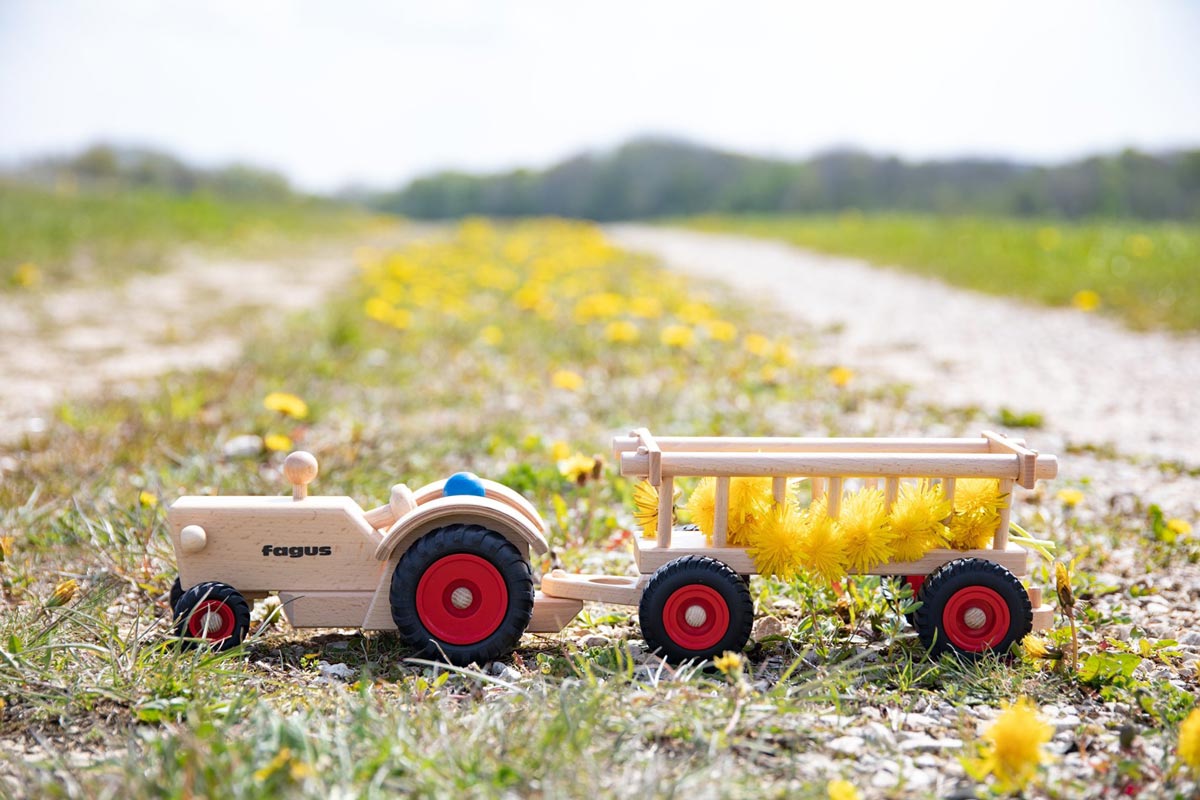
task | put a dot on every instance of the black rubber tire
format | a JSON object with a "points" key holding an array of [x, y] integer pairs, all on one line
{"points": [[175, 593], [472, 540], [691, 571], [223, 593], [965, 574]]}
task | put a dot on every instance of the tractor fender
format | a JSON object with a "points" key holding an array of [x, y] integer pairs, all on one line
{"points": [[494, 491], [463, 510]]}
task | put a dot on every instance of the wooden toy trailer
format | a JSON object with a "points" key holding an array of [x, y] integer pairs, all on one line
{"points": [[692, 597]]}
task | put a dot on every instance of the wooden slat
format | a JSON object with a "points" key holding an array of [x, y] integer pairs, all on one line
{"points": [[1027, 473], [818, 488], [325, 609], [1000, 540], [890, 492], [1043, 618], [666, 508], [653, 453], [721, 513], [834, 503]]}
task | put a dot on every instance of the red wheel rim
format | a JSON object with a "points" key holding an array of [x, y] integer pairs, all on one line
{"points": [[696, 617], [975, 618], [462, 599], [212, 620]]}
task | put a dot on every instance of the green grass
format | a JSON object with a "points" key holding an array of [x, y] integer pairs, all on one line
{"points": [[98, 701], [1145, 273], [66, 235]]}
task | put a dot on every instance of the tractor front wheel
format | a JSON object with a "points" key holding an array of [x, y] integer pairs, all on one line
{"points": [[212, 612]]}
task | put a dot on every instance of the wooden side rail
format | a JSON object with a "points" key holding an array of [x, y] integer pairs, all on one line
{"points": [[837, 465], [802, 444]]}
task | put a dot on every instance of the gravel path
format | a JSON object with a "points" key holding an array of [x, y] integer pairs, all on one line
{"points": [[92, 339], [1095, 382]]}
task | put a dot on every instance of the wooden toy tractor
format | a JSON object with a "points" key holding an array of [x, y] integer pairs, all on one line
{"points": [[447, 566]]}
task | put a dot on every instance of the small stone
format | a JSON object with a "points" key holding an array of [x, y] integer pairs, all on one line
{"points": [[1191, 638], [882, 779], [1157, 610], [504, 672], [338, 671], [245, 446], [767, 626], [596, 641], [847, 744], [919, 721], [929, 744]]}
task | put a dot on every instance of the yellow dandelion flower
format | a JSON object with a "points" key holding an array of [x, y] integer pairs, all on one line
{"points": [[63, 593], [1062, 585], [1139, 245], [567, 379], [746, 495], [1013, 750], [1034, 647], [27, 276], [1048, 238], [677, 336], [841, 376], [773, 541], [839, 789], [560, 450], [1189, 740], [720, 330], [865, 531], [821, 549], [1179, 527], [578, 468], [621, 330], [277, 442], [6, 547], [694, 312], [274, 765], [491, 335], [287, 404], [977, 504], [646, 307], [756, 344], [645, 502], [147, 499], [1086, 300], [729, 663], [916, 520], [1069, 497]]}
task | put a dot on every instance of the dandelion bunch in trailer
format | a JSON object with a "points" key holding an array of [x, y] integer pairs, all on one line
{"points": [[977, 506], [747, 497], [916, 520]]}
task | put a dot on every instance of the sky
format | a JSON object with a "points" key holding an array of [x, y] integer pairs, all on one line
{"points": [[376, 93]]}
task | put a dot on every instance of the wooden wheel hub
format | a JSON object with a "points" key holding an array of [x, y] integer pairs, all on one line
{"points": [[695, 616]]}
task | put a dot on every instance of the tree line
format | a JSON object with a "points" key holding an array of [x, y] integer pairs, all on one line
{"points": [[650, 177], [111, 167]]}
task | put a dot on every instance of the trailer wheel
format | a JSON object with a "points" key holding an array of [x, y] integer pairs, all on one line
{"points": [[695, 608], [971, 606], [175, 593], [462, 593], [213, 612]]}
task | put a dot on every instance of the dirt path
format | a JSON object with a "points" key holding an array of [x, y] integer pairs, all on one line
{"points": [[79, 342], [1095, 382]]}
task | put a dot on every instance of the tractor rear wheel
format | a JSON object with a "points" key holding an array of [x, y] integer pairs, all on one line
{"points": [[695, 608], [971, 606], [462, 593], [212, 612]]}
